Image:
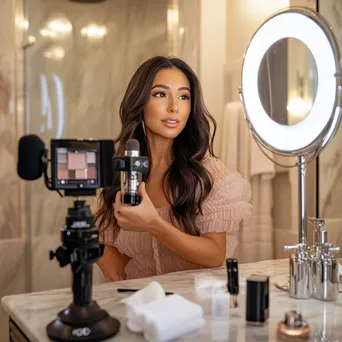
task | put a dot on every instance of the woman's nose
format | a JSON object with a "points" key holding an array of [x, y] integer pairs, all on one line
{"points": [[173, 105]]}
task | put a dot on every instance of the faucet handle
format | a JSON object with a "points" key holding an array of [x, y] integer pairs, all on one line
{"points": [[290, 248], [317, 223], [298, 246], [330, 248], [301, 249]]}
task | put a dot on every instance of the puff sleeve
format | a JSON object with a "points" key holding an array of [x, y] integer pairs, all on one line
{"points": [[228, 201]]}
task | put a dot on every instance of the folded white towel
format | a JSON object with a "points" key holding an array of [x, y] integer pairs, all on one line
{"points": [[170, 318], [153, 291], [150, 293], [162, 319]]}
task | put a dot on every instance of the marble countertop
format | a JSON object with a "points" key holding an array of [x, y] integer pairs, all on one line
{"points": [[33, 311]]}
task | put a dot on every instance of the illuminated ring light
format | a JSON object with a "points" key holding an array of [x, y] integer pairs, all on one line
{"points": [[302, 25]]}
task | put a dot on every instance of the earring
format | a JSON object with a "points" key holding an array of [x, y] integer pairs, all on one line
{"points": [[143, 126]]}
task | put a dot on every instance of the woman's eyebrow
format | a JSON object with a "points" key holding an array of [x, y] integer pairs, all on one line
{"points": [[167, 88]]}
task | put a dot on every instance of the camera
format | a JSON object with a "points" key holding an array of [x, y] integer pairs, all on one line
{"points": [[78, 167]]}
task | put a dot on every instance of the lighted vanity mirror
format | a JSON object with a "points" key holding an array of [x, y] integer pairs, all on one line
{"points": [[291, 90], [287, 81], [289, 86]]}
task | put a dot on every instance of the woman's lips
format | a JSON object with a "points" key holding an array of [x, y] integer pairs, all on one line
{"points": [[170, 123]]}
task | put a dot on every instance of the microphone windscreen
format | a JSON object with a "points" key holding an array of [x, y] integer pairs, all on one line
{"points": [[132, 145], [30, 153]]}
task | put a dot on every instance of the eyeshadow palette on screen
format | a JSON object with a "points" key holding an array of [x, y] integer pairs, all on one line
{"points": [[76, 166], [80, 166]]}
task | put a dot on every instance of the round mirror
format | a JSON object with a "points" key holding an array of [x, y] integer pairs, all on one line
{"points": [[287, 81], [289, 88]]}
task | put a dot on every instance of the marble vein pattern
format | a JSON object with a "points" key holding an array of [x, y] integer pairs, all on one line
{"points": [[9, 182]]}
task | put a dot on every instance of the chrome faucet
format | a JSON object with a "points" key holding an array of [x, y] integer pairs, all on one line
{"points": [[314, 269], [324, 266], [300, 272]]}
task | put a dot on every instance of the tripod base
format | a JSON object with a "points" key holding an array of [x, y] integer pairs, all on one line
{"points": [[83, 323]]}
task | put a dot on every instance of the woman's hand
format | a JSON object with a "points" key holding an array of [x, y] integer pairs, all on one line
{"points": [[142, 217]]}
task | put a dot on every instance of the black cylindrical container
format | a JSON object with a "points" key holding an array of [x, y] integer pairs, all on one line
{"points": [[257, 299]]}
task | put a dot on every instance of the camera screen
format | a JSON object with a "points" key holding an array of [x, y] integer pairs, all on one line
{"points": [[76, 165], [81, 164]]}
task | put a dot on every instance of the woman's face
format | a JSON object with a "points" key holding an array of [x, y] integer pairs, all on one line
{"points": [[168, 108]]}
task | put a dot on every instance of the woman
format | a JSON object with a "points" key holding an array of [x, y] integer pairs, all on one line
{"points": [[189, 201]]}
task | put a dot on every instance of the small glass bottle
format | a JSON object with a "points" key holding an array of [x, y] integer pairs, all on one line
{"points": [[220, 301]]}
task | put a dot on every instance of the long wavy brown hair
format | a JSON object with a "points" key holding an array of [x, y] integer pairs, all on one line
{"points": [[186, 183]]}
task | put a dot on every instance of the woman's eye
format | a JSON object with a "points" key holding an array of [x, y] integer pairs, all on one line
{"points": [[160, 94], [184, 97]]}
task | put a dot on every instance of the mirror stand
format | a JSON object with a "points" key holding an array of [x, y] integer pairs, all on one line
{"points": [[302, 202]]}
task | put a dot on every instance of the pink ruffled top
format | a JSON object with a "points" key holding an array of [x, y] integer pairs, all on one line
{"points": [[222, 211]]}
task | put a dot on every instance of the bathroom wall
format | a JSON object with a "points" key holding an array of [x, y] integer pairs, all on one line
{"points": [[13, 252], [243, 19], [330, 160], [75, 81], [213, 56]]}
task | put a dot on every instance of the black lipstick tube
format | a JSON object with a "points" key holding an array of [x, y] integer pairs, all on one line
{"points": [[233, 281]]}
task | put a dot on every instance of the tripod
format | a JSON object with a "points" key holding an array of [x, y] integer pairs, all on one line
{"points": [[83, 319]]}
